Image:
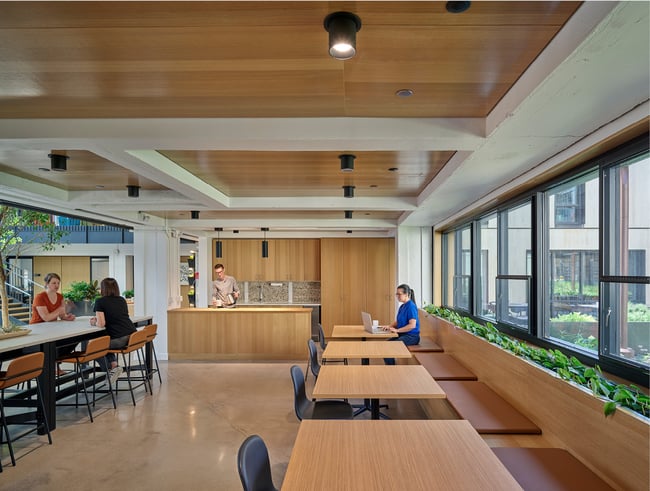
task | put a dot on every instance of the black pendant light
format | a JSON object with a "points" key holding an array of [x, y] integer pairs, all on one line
{"points": [[265, 243], [218, 245], [133, 191], [347, 162], [58, 163]]}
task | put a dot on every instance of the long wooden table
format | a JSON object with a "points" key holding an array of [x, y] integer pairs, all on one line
{"points": [[46, 337], [376, 382], [358, 332], [412, 455]]}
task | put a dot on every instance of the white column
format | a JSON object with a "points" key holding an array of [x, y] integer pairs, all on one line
{"points": [[157, 278], [414, 253], [203, 285], [117, 266]]}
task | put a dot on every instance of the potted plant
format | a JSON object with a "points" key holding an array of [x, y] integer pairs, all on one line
{"points": [[128, 294], [82, 295]]}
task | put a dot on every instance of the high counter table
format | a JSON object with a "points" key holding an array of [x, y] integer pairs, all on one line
{"points": [[45, 337], [240, 333]]}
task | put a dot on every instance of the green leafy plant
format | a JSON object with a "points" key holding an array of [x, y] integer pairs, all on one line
{"points": [[82, 290], [127, 293], [638, 312], [574, 317], [567, 367], [12, 222]]}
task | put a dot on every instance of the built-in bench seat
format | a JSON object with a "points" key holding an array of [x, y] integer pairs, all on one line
{"points": [[486, 411], [427, 345], [543, 469], [442, 366]]}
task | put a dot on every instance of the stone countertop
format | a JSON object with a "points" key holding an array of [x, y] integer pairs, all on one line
{"points": [[244, 308]]}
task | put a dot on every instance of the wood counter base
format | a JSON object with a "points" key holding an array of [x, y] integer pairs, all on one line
{"points": [[240, 333]]}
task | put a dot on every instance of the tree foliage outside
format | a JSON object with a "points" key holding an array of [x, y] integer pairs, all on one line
{"points": [[12, 222]]}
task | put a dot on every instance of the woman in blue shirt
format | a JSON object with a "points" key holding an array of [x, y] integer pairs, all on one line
{"points": [[407, 324]]}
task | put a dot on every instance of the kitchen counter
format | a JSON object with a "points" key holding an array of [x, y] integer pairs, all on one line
{"points": [[245, 332]]}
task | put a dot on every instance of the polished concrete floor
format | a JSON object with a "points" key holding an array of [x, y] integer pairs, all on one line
{"points": [[184, 437]]}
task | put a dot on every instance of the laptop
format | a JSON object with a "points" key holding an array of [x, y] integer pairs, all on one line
{"points": [[367, 324]]}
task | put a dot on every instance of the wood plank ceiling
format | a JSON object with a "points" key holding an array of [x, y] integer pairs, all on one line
{"points": [[188, 59]]}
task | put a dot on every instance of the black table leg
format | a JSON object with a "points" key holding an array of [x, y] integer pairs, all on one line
{"points": [[48, 386]]}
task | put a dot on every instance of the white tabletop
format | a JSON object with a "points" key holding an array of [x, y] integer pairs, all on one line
{"points": [[45, 332]]}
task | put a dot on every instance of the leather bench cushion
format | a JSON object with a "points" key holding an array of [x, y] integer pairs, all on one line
{"points": [[442, 366], [486, 410], [426, 345]]}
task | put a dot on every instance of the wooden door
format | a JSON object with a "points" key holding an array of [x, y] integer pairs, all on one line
{"points": [[331, 284], [380, 279]]}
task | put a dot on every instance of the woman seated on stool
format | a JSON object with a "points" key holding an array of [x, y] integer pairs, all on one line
{"points": [[112, 313], [407, 324], [49, 306]]}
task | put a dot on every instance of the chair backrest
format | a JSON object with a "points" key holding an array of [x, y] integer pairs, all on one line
{"points": [[151, 330], [96, 348], [254, 465], [300, 402], [321, 337], [313, 358], [21, 369], [136, 341]]}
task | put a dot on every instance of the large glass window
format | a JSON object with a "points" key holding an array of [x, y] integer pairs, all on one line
{"points": [[462, 267], [514, 280], [572, 255], [626, 275], [488, 236]]}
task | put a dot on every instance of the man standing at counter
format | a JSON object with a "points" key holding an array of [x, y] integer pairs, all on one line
{"points": [[225, 291]]}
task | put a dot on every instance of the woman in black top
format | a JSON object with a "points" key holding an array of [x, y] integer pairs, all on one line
{"points": [[112, 313]]}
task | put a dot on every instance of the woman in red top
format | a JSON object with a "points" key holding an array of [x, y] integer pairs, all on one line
{"points": [[48, 305]]}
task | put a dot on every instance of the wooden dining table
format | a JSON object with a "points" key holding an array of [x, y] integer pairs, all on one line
{"points": [[406, 455], [374, 382], [366, 350], [358, 332]]}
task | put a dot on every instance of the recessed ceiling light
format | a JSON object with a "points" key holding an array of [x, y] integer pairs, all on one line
{"points": [[393, 169], [404, 93], [457, 7], [44, 169], [99, 186], [373, 186]]}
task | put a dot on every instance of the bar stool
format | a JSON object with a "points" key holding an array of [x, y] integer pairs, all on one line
{"points": [[22, 369], [137, 341], [95, 350], [152, 332]]}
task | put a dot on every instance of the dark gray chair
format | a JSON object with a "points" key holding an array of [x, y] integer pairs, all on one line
{"points": [[306, 409], [254, 465], [323, 345], [314, 366]]}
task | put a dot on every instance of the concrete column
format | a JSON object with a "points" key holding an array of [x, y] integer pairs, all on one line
{"points": [[157, 278]]}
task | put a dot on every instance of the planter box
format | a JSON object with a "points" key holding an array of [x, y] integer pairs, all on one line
{"points": [[616, 448]]}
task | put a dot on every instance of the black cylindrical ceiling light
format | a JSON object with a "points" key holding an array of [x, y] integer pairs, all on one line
{"points": [[348, 213], [133, 191], [58, 163], [348, 191], [457, 7], [347, 162], [342, 28], [218, 245], [265, 243], [194, 214]]}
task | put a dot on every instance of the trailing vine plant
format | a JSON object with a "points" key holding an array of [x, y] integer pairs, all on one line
{"points": [[567, 368]]}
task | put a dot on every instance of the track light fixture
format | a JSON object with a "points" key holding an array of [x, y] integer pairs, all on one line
{"points": [[218, 246], [265, 243], [347, 162], [133, 191], [194, 215], [342, 28], [348, 191], [58, 162], [348, 213]]}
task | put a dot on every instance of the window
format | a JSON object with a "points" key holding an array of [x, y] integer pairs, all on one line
{"points": [[569, 208], [515, 267], [488, 236], [572, 279], [625, 278], [462, 268]]}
